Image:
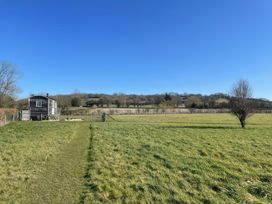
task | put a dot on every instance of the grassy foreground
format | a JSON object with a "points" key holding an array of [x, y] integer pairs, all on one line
{"points": [[203, 158], [194, 158], [42, 162]]}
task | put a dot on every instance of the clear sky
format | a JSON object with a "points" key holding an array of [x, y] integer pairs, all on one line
{"points": [[138, 46]]}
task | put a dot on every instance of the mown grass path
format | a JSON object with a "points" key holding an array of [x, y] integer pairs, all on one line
{"points": [[62, 180]]}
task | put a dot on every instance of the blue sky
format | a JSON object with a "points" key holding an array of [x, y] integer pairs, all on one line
{"points": [[138, 46]]}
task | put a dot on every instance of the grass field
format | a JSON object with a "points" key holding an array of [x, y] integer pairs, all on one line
{"points": [[194, 158], [182, 159], [42, 162]]}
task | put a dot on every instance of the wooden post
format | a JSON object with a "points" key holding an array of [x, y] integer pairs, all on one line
{"points": [[103, 117], [5, 119]]}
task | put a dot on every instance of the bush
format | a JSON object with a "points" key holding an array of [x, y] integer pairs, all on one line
{"points": [[75, 102]]}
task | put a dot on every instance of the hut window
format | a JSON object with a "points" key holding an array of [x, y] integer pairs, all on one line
{"points": [[39, 103]]}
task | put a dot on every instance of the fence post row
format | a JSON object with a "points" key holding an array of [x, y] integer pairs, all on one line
{"points": [[7, 119]]}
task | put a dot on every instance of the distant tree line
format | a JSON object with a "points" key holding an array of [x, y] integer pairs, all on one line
{"points": [[219, 100], [121, 100], [166, 100]]}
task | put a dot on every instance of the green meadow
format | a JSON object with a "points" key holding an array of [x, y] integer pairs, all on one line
{"points": [[188, 158], [42, 162]]}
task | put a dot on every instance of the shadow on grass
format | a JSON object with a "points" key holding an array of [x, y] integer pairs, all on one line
{"points": [[199, 127], [168, 122]]}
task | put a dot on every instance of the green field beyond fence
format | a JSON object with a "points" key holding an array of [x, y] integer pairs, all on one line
{"points": [[192, 158]]}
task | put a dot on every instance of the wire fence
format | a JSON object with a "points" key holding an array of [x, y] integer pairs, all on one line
{"points": [[104, 117], [98, 117], [7, 116]]}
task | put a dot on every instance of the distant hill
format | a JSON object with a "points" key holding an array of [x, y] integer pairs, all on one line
{"points": [[121, 100]]}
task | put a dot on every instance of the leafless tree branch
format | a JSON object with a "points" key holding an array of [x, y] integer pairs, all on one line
{"points": [[8, 87]]}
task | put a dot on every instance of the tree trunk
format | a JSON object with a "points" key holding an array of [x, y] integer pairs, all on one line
{"points": [[243, 123]]}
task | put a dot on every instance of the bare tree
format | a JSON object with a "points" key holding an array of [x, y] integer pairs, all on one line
{"points": [[240, 104], [64, 103], [8, 87], [193, 102]]}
